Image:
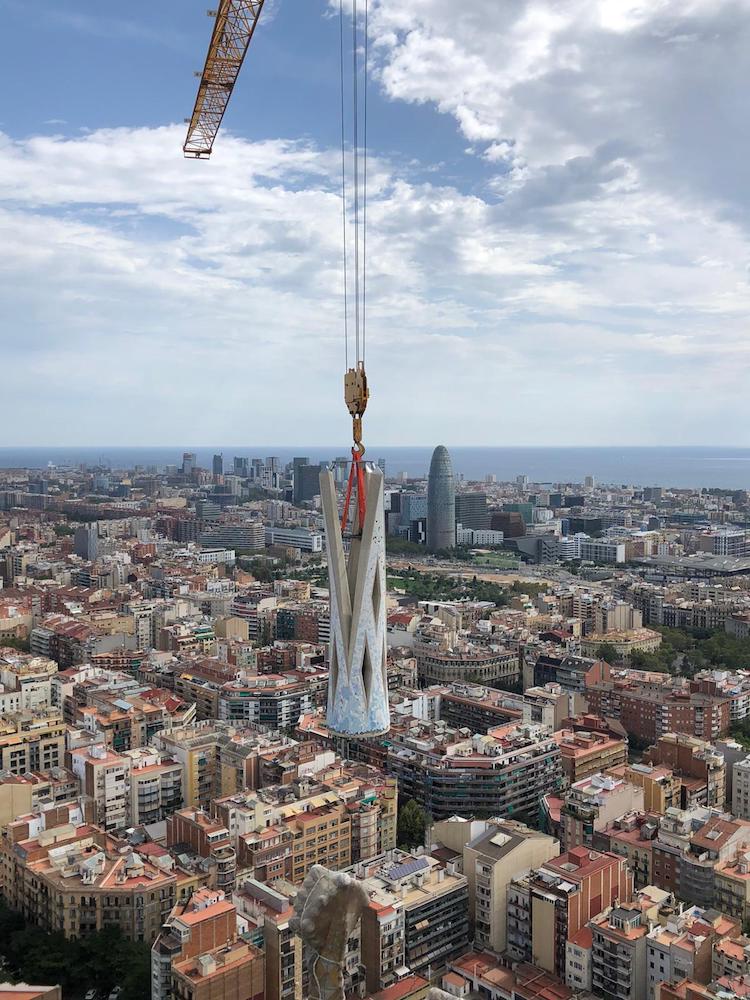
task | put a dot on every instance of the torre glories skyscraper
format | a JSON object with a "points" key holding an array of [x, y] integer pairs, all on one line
{"points": [[441, 502]]}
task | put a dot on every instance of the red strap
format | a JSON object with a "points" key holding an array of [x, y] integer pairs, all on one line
{"points": [[357, 471], [361, 494], [345, 515]]}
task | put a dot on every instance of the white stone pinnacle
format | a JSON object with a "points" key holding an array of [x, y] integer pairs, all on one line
{"points": [[358, 686]]}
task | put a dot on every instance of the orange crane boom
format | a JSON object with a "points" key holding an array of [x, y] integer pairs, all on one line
{"points": [[233, 30]]}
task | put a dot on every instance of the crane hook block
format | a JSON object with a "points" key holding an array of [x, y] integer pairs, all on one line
{"points": [[356, 395]]}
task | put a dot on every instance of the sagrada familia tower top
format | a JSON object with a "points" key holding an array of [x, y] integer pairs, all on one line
{"points": [[357, 687]]}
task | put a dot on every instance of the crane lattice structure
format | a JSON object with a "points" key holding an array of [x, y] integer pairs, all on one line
{"points": [[233, 31]]}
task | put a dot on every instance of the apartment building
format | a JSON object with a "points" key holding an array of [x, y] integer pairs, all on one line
{"points": [[699, 766], [632, 837], [272, 701], [572, 673], [662, 788], [105, 778], [195, 748], [503, 773], [32, 741], [417, 917], [549, 905], [590, 804], [340, 818], [688, 849], [679, 947], [583, 754], [25, 681], [71, 879], [731, 956], [448, 658], [271, 911], [649, 709], [195, 831], [619, 953], [200, 954], [740, 798], [490, 860], [732, 885], [155, 786]]}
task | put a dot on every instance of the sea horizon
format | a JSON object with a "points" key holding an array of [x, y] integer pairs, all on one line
{"points": [[679, 466]]}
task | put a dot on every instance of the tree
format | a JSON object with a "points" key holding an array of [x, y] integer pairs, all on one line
{"points": [[101, 960], [412, 821], [607, 652], [22, 645]]}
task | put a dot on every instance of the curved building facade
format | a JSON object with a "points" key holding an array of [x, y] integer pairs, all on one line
{"points": [[441, 502]]}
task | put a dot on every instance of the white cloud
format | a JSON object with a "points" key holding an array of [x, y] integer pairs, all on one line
{"points": [[596, 292]]}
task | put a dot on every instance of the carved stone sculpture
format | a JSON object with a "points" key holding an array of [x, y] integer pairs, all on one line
{"points": [[358, 687], [327, 909]]}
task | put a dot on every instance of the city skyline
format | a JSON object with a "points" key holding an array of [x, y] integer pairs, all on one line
{"points": [[559, 249]]}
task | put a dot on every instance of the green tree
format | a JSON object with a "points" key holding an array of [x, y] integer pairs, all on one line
{"points": [[22, 645], [412, 821], [607, 652]]}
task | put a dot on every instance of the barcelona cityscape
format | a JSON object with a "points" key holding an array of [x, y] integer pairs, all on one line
{"points": [[456, 707]]}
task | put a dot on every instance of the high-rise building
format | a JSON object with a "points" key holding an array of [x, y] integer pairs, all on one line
{"points": [[472, 511], [86, 541], [188, 463], [441, 502], [241, 467], [298, 464], [218, 465], [306, 483]]}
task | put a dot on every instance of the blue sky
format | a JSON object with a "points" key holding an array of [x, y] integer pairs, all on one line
{"points": [[559, 225]]}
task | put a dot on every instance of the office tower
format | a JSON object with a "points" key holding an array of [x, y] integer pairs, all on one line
{"points": [[218, 465], [188, 462], [589, 482], [472, 511], [522, 481], [241, 467], [273, 463], [207, 510], [441, 502], [298, 464], [381, 466], [86, 541], [306, 483]]}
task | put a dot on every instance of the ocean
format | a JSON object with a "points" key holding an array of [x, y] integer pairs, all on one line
{"points": [[728, 468]]}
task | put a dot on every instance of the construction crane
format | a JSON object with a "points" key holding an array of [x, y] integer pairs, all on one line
{"points": [[233, 31], [235, 23]]}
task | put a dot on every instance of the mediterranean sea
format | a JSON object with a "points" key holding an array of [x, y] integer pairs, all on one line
{"points": [[687, 466]]}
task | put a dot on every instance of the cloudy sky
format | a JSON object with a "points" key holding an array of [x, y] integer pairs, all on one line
{"points": [[559, 242]]}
